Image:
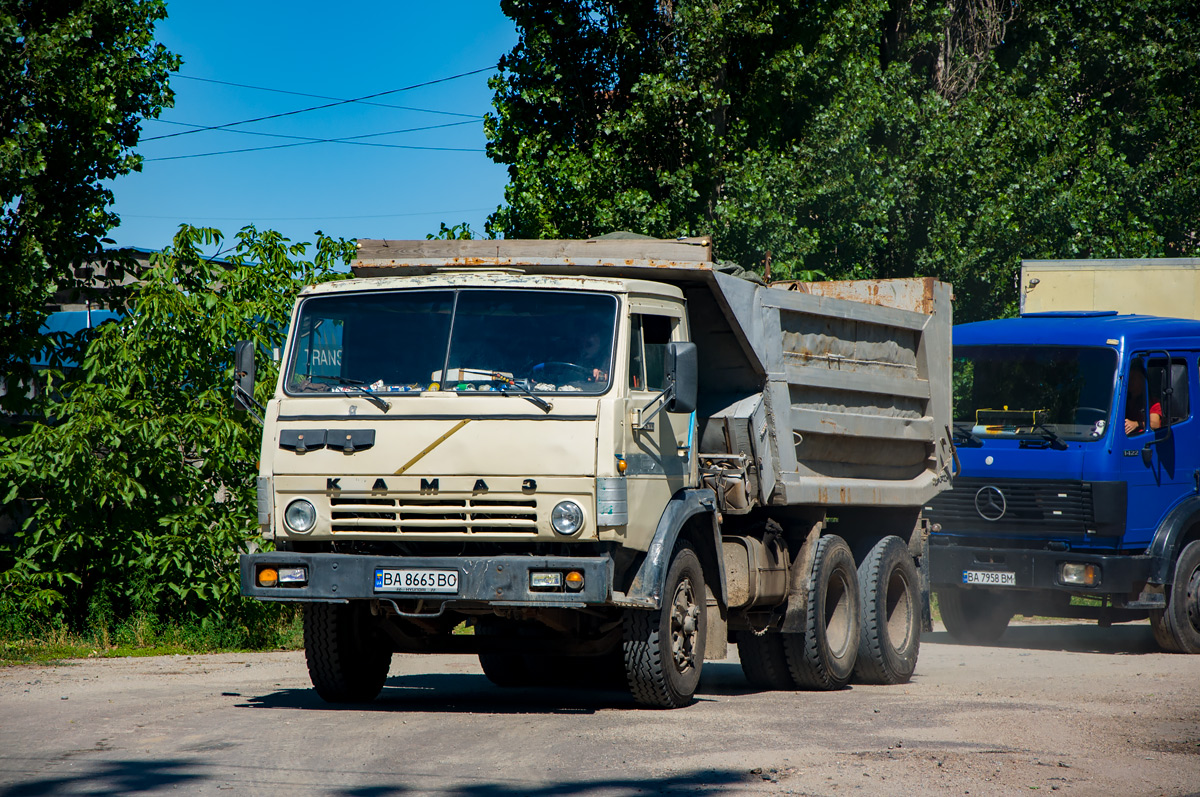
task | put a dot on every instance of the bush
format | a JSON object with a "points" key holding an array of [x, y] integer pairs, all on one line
{"points": [[140, 473]]}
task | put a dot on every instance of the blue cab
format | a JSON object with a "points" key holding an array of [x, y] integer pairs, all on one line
{"points": [[1078, 445]]}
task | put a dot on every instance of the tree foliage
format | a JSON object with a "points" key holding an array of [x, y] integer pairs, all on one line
{"points": [[78, 77], [142, 483], [873, 138]]}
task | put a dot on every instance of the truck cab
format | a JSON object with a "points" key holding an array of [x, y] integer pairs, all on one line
{"points": [[1078, 487]]}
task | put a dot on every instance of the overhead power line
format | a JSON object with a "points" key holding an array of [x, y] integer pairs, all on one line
{"points": [[313, 218], [324, 97], [308, 143], [338, 140], [319, 107]]}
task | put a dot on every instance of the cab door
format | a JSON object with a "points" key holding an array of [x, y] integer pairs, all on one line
{"points": [[658, 451], [1159, 465]]}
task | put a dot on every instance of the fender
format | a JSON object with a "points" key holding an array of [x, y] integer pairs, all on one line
{"points": [[1165, 545], [647, 587]]}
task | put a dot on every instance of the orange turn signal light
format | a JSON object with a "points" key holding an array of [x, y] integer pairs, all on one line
{"points": [[268, 577], [574, 580]]}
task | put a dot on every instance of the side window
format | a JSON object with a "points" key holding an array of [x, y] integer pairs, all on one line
{"points": [[649, 336], [637, 358], [1179, 399]]}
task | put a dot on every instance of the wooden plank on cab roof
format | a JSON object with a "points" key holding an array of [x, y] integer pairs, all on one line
{"points": [[395, 252]]}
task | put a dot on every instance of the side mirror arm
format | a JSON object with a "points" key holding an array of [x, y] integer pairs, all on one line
{"points": [[244, 401], [644, 424]]}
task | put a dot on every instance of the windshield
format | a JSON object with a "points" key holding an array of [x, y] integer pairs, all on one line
{"points": [[460, 340], [1032, 391]]}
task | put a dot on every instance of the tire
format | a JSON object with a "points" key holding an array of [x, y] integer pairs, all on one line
{"points": [[974, 617], [347, 658], [1177, 628], [664, 648], [889, 594], [763, 661], [823, 657], [508, 670], [603, 672]]}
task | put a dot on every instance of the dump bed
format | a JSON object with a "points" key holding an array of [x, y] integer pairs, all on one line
{"points": [[835, 393]]}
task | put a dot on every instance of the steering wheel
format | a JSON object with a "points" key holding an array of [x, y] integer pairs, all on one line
{"points": [[573, 371], [1100, 414]]}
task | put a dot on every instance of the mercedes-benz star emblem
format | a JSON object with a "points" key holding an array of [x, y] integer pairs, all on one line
{"points": [[990, 503]]}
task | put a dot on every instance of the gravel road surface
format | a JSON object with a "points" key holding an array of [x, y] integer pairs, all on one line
{"points": [[1069, 709]]}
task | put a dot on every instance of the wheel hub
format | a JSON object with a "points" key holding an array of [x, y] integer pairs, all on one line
{"points": [[685, 626], [1193, 599]]}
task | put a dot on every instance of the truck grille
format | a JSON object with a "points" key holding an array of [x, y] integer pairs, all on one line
{"points": [[1029, 507], [410, 515]]}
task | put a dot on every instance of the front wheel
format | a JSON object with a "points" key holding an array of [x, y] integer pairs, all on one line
{"points": [[348, 659], [891, 614], [823, 656], [664, 648], [1177, 627], [974, 616]]}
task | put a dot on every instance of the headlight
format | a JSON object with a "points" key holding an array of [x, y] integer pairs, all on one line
{"points": [[300, 516], [566, 518]]}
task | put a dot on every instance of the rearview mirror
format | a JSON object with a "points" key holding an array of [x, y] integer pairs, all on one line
{"points": [[682, 369], [243, 373]]}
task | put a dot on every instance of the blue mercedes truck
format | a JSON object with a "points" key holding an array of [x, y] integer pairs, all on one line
{"points": [[1077, 491]]}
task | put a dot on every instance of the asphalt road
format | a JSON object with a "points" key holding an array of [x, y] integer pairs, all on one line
{"points": [[1068, 709]]}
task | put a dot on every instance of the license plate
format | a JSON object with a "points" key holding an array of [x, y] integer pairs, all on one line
{"points": [[990, 578], [438, 581]]}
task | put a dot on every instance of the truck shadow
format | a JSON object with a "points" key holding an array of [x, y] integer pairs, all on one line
{"points": [[112, 777], [469, 693], [703, 782], [154, 776], [1127, 639]]}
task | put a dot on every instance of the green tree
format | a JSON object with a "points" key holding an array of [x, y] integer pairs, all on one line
{"points": [[872, 138], [142, 486], [79, 76]]}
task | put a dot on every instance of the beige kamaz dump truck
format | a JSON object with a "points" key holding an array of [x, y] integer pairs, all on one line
{"points": [[608, 460]]}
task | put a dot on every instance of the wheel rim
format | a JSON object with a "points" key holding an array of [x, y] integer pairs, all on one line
{"points": [[837, 615], [899, 610], [1193, 600], [685, 626]]}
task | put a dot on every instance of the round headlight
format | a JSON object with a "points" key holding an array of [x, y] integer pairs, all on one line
{"points": [[566, 518], [300, 516]]}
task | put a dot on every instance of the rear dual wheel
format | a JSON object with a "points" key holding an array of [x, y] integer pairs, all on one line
{"points": [[823, 656], [889, 593]]}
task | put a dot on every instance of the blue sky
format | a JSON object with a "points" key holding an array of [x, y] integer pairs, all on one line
{"points": [[337, 50]]}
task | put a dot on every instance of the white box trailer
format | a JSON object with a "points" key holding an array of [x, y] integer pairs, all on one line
{"points": [[741, 455], [1161, 286]]}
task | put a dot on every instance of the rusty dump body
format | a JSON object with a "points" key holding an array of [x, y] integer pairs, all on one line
{"points": [[832, 393]]}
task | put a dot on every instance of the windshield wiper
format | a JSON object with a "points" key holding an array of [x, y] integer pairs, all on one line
{"points": [[525, 393], [1051, 435], [362, 388], [967, 434], [508, 381]]}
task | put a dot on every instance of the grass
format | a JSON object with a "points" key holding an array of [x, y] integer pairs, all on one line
{"points": [[145, 636]]}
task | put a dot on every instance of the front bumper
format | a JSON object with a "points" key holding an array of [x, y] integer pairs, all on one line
{"points": [[495, 581], [1036, 569]]}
